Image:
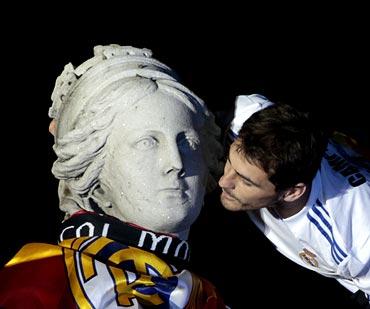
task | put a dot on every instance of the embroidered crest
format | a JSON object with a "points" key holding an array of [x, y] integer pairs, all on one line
{"points": [[308, 257]]}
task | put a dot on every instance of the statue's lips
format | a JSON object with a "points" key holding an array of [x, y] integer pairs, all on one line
{"points": [[174, 192]]}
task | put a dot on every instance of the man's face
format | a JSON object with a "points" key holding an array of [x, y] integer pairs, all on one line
{"points": [[155, 174], [245, 186]]}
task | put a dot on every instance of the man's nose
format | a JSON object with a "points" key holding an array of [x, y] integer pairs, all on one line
{"points": [[227, 180]]}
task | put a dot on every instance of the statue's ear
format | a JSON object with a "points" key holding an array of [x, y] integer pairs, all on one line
{"points": [[99, 198], [53, 127]]}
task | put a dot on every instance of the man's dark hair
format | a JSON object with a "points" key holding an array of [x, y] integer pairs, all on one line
{"points": [[286, 143]]}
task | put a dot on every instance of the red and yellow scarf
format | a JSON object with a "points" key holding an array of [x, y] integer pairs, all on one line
{"points": [[94, 271]]}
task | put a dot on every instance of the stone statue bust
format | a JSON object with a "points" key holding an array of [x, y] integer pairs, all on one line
{"points": [[131, 141]]}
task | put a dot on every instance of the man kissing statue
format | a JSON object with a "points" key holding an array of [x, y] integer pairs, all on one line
{"points": [[135, 152]]}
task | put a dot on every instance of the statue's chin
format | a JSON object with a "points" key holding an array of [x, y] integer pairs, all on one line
{"points": [[172, 227], [164, 216]]}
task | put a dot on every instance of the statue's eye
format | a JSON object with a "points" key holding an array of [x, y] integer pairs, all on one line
{"points": [[146, 143]]}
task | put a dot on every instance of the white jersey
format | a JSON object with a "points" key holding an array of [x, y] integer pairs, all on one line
{"points": [[331, 234]]}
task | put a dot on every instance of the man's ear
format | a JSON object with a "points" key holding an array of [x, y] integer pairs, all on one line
{"points": [[53, 127], [294, 193]]}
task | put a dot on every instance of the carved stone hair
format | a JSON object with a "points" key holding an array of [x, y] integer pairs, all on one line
{"points": [[87, 99]]}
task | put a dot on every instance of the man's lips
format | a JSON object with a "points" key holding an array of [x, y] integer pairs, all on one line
{"points": [[227, 195]]}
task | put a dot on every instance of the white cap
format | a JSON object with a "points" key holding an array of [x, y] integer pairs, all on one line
{"points": [[246, 106]]}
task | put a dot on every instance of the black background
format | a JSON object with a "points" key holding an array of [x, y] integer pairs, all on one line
{"points": [[312, 58]]}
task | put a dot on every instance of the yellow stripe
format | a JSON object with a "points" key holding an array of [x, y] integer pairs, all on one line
{"points": [[34, 251], [76, 289], [97, 245], [88, 270], [76, 244], [72, 243]]}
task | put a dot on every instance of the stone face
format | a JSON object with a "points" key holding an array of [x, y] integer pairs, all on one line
{"points": [[132, 140], [154, 172]]}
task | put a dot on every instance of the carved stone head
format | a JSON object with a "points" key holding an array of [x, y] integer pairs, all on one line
{"points": [[131, 141]]}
